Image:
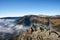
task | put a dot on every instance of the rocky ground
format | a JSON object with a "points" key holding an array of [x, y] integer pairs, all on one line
{"points": [[35, 32]]}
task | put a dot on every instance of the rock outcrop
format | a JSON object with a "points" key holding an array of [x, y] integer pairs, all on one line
{"points": [[35, 32]]}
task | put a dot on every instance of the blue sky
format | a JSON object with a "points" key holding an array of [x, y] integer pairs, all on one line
{"points": [[28, 7]]}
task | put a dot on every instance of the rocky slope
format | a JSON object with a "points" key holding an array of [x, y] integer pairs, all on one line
{"points": [[28, 19], [53, 21], [41, 31], [35, 32]]}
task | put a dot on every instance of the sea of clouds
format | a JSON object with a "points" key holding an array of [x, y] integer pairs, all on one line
{"points": [[8, 28]]}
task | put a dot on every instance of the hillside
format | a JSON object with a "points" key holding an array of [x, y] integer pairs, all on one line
{"points": [[12, 27], [37, 33], [27, 20], [41, 31]]}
